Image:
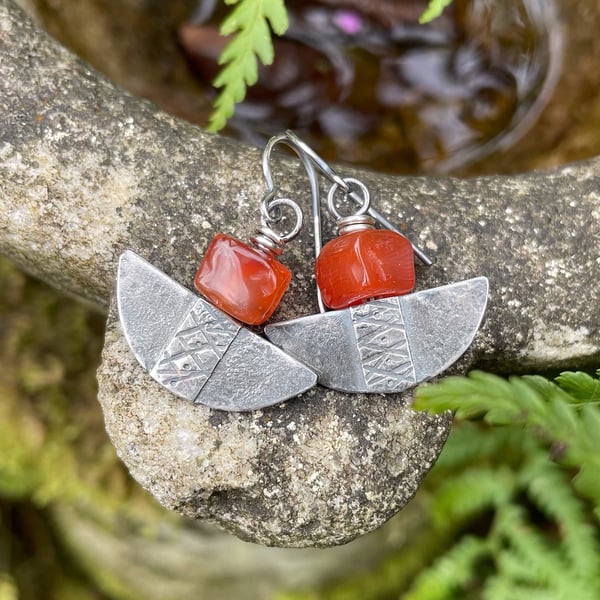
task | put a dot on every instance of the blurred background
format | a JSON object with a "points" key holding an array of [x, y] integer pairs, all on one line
{"points": [[490, 87]]}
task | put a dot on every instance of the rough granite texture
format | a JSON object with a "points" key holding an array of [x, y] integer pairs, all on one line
{"points": [[87, 170]]}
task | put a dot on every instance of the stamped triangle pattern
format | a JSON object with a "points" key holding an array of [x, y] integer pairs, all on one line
{"points": [[195, 350], [383, 345]]}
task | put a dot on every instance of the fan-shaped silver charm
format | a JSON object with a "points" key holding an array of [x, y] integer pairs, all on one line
{"points": [[387, 345], [195, 350]]}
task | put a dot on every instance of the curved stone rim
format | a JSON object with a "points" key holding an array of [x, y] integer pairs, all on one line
{"points": [[88, 170]]}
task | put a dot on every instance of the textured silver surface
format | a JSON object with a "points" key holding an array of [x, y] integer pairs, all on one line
{"points": [[327, 344], [253, 374], [195, 350], [151, 307], [383, 346], [387, 345], [442, 322]]}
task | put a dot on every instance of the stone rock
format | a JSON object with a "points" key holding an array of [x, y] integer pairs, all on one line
{"points": [[88, 170], [197, 560], [318, 470]]}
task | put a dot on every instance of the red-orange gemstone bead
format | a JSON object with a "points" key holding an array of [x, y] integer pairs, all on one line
{"points": [[362, 265], [241, 280]]}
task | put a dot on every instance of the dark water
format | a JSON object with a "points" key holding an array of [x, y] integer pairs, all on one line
{"points": [[366, 84], [491, 87]]}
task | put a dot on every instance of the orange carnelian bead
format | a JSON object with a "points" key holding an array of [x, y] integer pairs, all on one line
{"points": [[362, 265], [240, 280]]}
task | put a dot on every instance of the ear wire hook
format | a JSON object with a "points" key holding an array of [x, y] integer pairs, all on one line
{"points": [[314, 188], [302, 148]]}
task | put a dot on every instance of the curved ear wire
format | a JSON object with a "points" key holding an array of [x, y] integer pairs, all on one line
{"points": [[292, 143], [342, 183]]}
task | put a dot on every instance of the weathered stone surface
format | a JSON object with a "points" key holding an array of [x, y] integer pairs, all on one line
{"points": [[196, 560], [87, 170], [318, 470]]}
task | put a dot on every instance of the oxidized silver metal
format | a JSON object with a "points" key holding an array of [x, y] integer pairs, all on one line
{"points": [[387, 345], [307, 153], [383, 346], [195, 350], [363, 206]]}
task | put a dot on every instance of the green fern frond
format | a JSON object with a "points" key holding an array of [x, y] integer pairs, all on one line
{"points": [[542, 406], [580, 386], [500, 588], [249, 22], [453, 571], [587, 482], [434, 10], [469, 493], [473, 442], [548, 487], [547, 567], [511, 567], [499, 401], [532, 549], [590, 428], [529, 566], [509, 471]]}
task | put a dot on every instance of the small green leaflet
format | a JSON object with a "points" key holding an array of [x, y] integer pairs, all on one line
{"points": [[249, 23], [565, 412], [434, 10]]}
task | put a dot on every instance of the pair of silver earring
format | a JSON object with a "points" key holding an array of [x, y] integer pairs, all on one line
{"points": [[379, 337]]}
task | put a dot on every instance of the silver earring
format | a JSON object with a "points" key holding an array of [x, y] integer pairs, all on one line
{"points": [[189, 345], [389, 343]]}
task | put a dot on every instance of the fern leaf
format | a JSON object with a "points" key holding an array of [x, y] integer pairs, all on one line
{"points": [[549, 488], [532, 402], [587, 482], [511, 568], [475, 442], [473, 396], [546, 388], [518, 400], [249, 22], [498, 588], [531, 562], [590, 428], [528, 545], [469, 493], [545, 562], [434, 10], [580, 386], [452, 571]]}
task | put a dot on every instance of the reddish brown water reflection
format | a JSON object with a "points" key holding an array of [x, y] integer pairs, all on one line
{"points": [[364, 83]]}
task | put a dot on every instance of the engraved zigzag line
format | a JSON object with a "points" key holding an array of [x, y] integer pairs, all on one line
{"points": [[383, 345], [388, 360], [384, 339], [373, 376], [379, 370], [202, 340]]}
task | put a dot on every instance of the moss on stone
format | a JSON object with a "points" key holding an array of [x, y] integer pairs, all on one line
{"points": [[53, 447]]}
